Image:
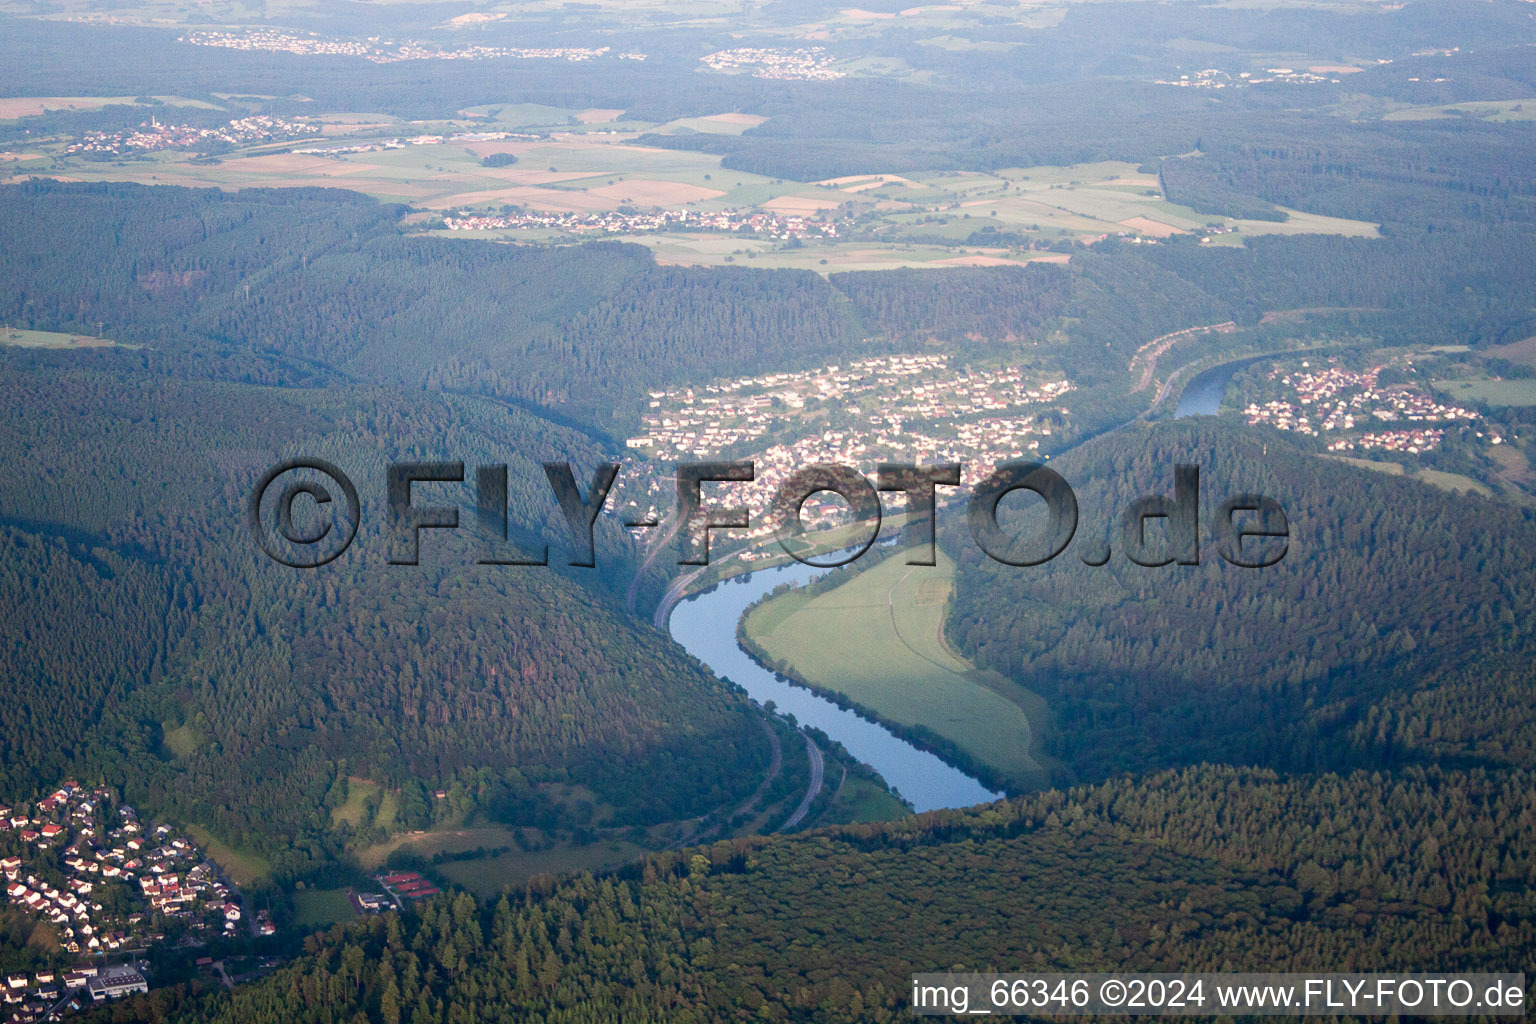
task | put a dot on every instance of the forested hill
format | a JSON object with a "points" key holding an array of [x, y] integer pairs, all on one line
{"points": [[295, 286], [488, 682], [1206, 868], [311, 287], [1396, 630]]}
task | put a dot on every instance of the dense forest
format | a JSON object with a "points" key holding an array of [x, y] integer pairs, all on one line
{"points": [[1204, 868], [439, 676], [1388, 591], [1326, 763]]}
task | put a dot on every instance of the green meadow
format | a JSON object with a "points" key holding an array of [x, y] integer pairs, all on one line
{"points": [[878, 641]]}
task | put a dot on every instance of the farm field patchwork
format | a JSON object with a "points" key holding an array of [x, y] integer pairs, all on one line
{"points": [[590, 163]]}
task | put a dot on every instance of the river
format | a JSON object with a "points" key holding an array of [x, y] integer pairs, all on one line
{"points": [[1203, 394], [705, 625]]}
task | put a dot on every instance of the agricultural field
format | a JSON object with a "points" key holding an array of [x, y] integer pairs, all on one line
{"points": [[1483, 110], [878, 641], [30, 106], [1496, 392], [591, 163], [1523, 352]]}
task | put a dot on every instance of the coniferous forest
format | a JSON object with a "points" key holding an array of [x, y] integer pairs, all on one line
{"points": [[1324, 764]]}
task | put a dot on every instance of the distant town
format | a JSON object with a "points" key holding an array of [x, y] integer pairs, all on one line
{"points": [[807, 64], [780, 226], [1215, 78], [152, 135], [912, 408], [413, 140], [1332, 399], [387, 52]]}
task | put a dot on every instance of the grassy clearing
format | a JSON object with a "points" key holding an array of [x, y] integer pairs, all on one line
{"points": [[1300, 223], [426, 844], [28, 106], [354, 811], [710, 250], [861, 801], [1523, 352], [243, 867], [51, 339], [1485, 110], [181, 741], [486, 876], [1389, 468], [1453, 482], [1512, 462], [1494, 392], [878, 640], [321, 908]]}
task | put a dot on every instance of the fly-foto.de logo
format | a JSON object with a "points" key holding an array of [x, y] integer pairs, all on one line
{"points": [[306, 512]]}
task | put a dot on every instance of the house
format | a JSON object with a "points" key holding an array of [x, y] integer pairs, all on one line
{"points": [[372, 902]]}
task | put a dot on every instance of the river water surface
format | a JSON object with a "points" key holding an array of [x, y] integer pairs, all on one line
{"points": [[705, 625]]}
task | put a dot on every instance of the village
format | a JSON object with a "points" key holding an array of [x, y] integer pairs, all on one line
{"points": [[845, 414], [154, 136], [757, 222], [413, 140], [807, 64], [276, 41], [108, 885], [1327, 399], [1215, 78]]}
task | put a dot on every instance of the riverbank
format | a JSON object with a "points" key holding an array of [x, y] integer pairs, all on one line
{"points": [[874, 644], [706, 626]]}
